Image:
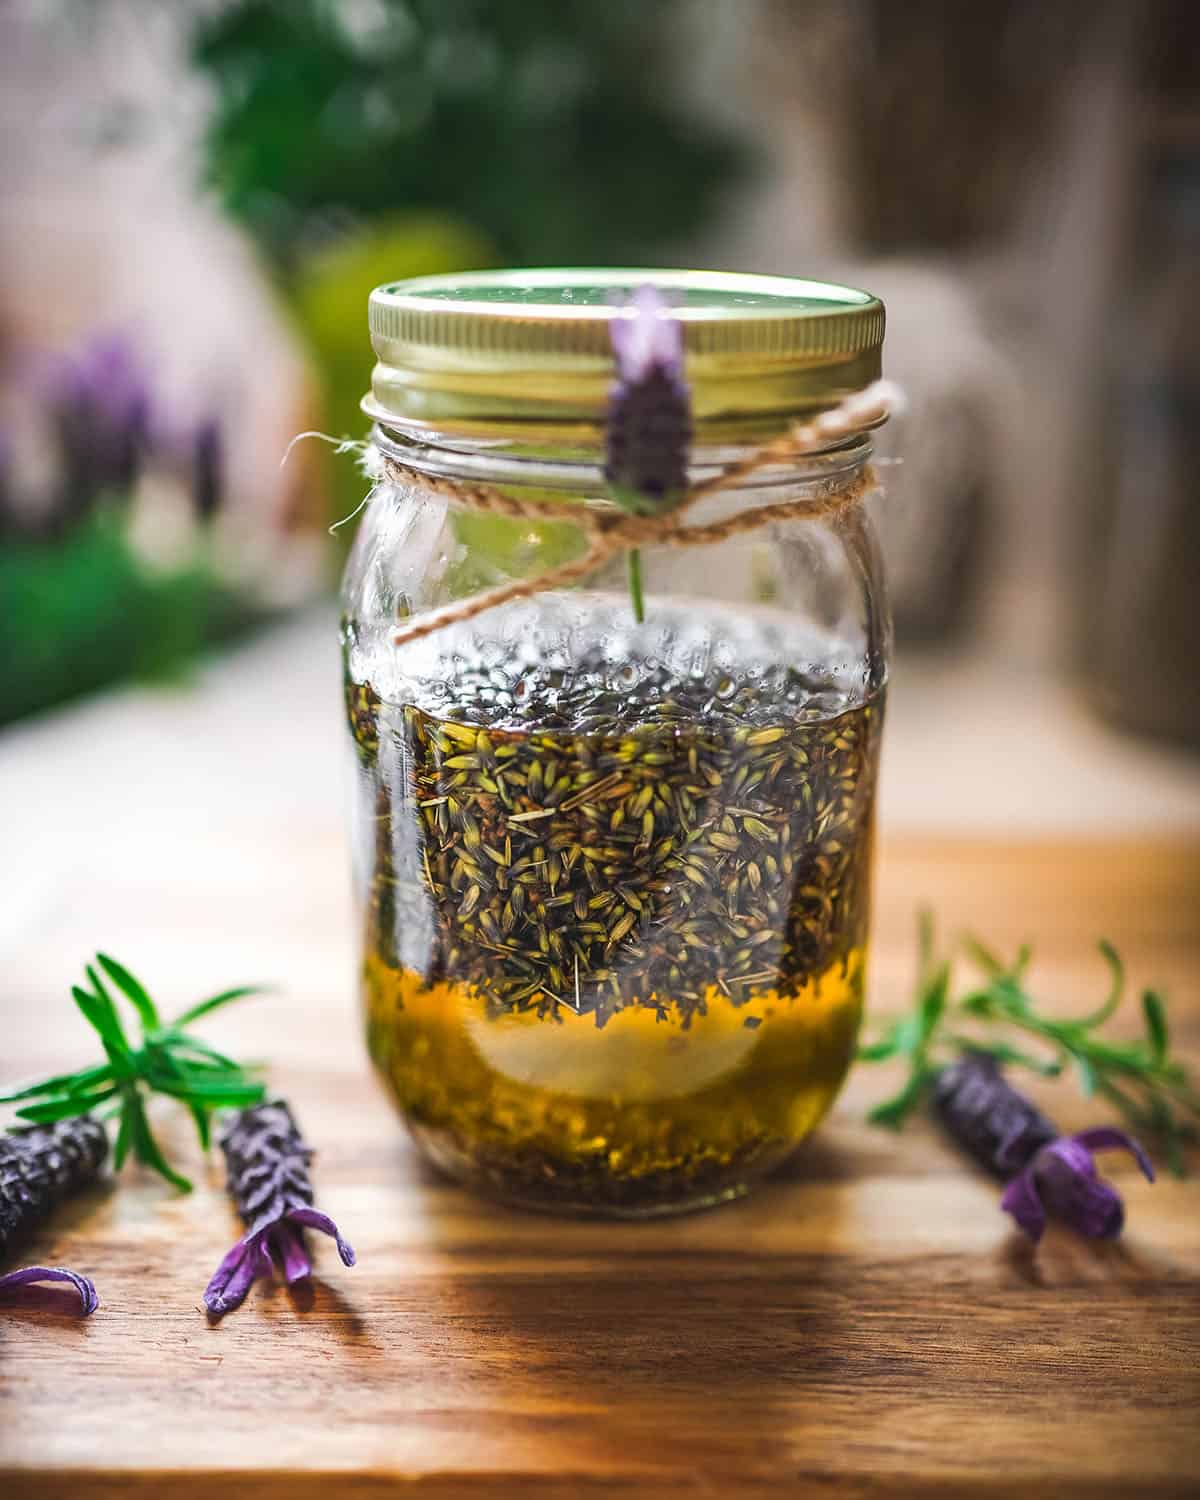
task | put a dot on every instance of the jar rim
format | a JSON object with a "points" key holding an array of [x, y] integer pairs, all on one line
{"points": [[501, 353]]}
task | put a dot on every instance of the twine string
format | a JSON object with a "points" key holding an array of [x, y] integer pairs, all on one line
{"points": [[610, 532]]}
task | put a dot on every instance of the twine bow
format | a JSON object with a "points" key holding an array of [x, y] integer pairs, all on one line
{"points": [[610, 533]]}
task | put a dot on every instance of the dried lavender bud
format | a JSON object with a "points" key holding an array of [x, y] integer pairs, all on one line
{"points": [[1006, 1133], [267, 1162], [1062, 1180], [40, 1165], [988, 1118], [649, 426]]}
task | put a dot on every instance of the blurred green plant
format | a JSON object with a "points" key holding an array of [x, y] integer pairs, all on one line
{"points": [[364, 141], [531, 122], [81, 611], [328, 296], [80, 605]]}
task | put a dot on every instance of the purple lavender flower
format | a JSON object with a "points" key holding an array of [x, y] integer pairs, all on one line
{"points": [[28, 1274], [100, 404], [988, 1118], [1006, 1133], [649, 407], [268, 1179], [1062, 1180], [40, 1165]]}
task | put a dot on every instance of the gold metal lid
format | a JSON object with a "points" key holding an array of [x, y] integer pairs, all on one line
{"points": [[527, 353]]}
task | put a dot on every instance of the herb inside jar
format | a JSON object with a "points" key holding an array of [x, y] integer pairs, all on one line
{"points": [[616, 918]]}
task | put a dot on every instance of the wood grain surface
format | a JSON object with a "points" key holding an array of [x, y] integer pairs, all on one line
{"points": [[866, 1324]]}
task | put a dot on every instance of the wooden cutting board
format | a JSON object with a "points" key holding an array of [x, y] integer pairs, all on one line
{"points": [[868, 1324]]}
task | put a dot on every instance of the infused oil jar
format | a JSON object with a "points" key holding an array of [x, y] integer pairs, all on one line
{"points": [[613, 874]]}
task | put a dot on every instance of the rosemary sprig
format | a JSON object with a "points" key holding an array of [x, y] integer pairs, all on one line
{"points": [[1140, 1079], [913, 1035], [167, 1059]]}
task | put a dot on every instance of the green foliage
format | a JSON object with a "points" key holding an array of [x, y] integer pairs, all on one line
{"points": [[169, 1060], [328, 297], [913, 1036], [532, 121], [364, 143], [81, 611], [1139, 1079]]}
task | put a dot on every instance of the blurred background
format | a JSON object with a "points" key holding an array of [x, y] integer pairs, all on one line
{"points": [[195, 200]]}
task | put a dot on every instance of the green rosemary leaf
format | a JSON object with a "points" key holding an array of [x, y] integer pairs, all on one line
{"points": [[132, 988], [1087, 1076], [984, 957], [165, 1069], [202, 1063], [100, 992], [912, 1034], [933, 1000], [1139, 1117], [204, 1007], [158, 1065], [103, 1019], [193, 1091], [206, 1085], [214, 1072], [63, 1108], [1127, 1057], [173, 1068], [1116, 990], [1045, 1067], [907, 1033], [185, 1046], [1009, 996], [926, 943], [879, 1051], [69, 1083], [1165, 1125], [1156, 1024], [145, 1147], [121, 1148], [893, 1112], [978, 1003]]}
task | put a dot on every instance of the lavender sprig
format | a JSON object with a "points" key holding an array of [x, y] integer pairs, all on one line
{"points": [[268, 1179], [101, 411], [1047, 1174], [1062, 1180], [649, 427], [988, 1118], [1139, 1079], [40, 1165]]}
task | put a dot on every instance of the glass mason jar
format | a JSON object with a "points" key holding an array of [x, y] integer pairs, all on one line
{"points": [[614, 877]]}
